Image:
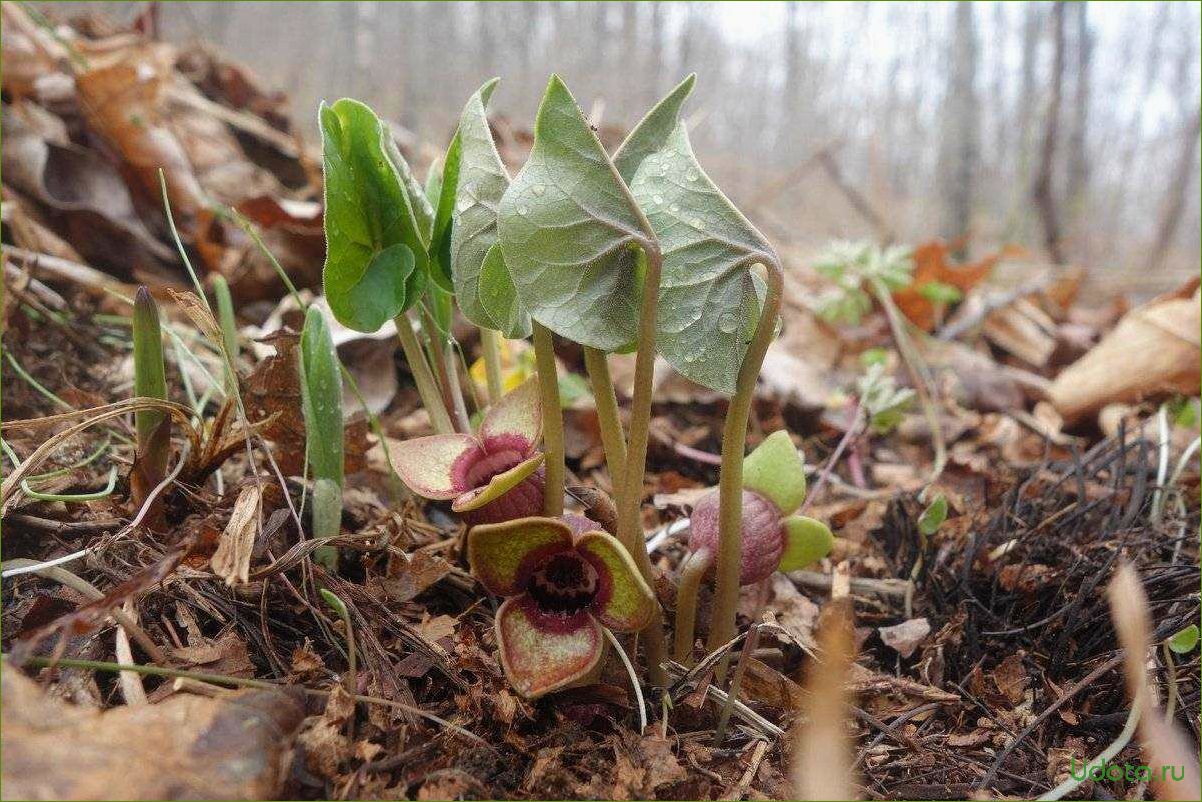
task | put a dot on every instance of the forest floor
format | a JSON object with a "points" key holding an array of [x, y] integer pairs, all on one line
{"points": [[985, 658]]}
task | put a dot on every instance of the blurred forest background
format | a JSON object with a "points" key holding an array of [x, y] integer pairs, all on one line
{"points": [[1071, 128]]}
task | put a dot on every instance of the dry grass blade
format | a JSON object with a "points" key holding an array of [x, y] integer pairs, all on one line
{"points": [[1164, 745], [822, 758], [92, 417]]}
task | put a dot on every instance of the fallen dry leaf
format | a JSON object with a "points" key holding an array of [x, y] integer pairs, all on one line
{"points": [[233, 746], [905, 637], [231, 561], [931, 265], [1156, 344]]}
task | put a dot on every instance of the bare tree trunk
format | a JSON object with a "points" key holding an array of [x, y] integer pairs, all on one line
{"points": [[1078, 157], [959, 147], [1043, 192], [1175, 197]]}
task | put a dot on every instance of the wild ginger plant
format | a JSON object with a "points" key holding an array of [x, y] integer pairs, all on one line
{"points": [[773, 537], [321, 403], [153, 426]]}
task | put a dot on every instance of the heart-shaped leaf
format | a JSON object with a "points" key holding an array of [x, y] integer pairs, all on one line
{"points": [[375, 252], [571, 233], [708, 301], [485, 296]]}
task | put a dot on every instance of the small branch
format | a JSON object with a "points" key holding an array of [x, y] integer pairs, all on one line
{"points": [[548, 382], [613, 439]]}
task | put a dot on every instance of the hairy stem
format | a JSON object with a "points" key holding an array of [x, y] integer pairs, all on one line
{"points": [[490, 344], [730, 483], [612, 436], [455, 388], [548, 382], [422, 377], [630, 529], [695, 567]]}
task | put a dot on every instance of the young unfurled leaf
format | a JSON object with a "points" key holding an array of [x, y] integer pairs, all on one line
{"points": [[321, 398], [485, 296], [571, 233], [1184, 641], [652, 131], [375, 251], [708, 298], [442, 187], [933, 516]]}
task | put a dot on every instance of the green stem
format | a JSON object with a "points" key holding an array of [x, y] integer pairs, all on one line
{"points": [[422, 377], [730, 483], [150, 381], [920, 375], [695, 567], [548, 382], [612, 437], [442, 357], [630, 529], [490, 344]]}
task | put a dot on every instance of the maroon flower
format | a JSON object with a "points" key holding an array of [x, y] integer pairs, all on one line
{"points": [[492, 476]]}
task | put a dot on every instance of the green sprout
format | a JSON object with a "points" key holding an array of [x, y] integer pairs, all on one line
{"points": [[228, 323], [884, 403], [850, 267], [321, 401], [153, 426]]}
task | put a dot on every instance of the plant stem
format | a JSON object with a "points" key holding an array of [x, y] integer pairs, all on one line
{"points": [[225, 317], [730, 483], [490, 344], [455, 389], [422, 377], [548, 382], [150, 381], [612, 436], [924, 384], [695, 567], [442, 356], [630, 529]]}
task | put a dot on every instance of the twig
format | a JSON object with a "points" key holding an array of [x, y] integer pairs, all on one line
{"points": [[244, 682]]}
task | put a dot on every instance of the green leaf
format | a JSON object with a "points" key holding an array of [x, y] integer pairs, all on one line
{"points": [[571, 232], [938, 292], [776, 470], [1184, 641], [321, 398], [708, 303], [371, 232], [447, 178], [933, 516], [423, 212], [652, 131], [498, 297], [483, 179]]}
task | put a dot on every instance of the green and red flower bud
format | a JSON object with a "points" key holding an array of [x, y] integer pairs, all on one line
{"points": [[565, 580], [773, 538], [492, 476]]}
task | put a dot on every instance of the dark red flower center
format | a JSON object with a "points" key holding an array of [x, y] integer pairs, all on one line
{"points": [[565, 583], [480, 472]]}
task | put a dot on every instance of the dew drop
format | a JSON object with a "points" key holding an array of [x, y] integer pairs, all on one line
{"points": [[675, 207], [728, 323], [522, 210], [539, 189], [696, 222], [658, 199], [691, 175]]}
